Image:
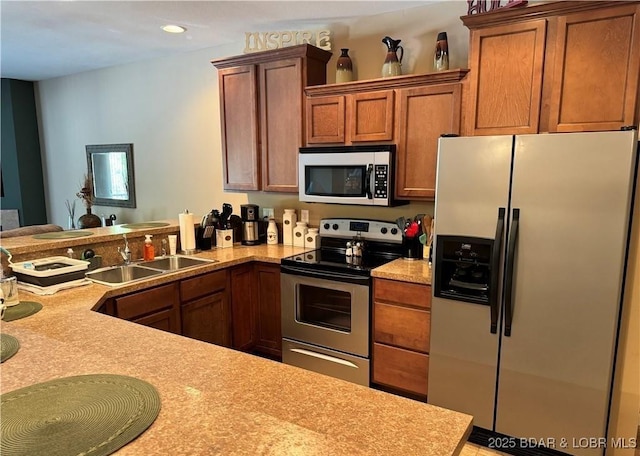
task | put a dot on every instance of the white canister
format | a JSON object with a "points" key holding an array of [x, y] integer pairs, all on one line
{"points": [[272, 233], [289, 220], [312, 239], [224, 238], [299, 233]]}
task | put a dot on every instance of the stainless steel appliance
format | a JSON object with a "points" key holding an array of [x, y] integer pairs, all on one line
{"points": [[249, 213], [326, 298], [361, 175], [530, 254]]}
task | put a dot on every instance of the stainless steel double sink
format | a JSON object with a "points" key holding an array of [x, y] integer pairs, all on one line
{"points": [[117, 275]]}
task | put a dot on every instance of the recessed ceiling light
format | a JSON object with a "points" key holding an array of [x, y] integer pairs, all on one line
{"points": [[170, 28]]}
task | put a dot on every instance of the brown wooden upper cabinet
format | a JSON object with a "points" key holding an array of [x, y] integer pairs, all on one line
{"points": [[350, 118], [262, 116], [554, 67], [410, 111]]}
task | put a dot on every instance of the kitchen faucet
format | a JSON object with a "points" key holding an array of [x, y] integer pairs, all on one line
{"points": [[126, 253]]}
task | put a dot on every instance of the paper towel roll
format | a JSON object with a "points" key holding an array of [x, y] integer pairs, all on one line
{"points": [[187, 231]]}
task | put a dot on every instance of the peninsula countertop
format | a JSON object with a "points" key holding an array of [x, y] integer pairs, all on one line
{"points": [[217, 400]]}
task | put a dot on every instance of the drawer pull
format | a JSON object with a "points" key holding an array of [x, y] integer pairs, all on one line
{"points": [[332, 359]]}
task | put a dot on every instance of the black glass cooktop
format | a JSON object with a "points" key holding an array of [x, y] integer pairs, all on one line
{"points": [[336, 260]]}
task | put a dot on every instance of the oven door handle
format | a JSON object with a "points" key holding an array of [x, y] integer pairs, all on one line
{"points": [[335, 276], [324, 357]]}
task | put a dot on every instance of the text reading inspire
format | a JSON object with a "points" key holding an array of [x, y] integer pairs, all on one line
{"points": [[261, 41]]}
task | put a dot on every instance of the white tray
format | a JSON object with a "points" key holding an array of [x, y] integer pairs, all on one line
{"points": [[49, 267]]}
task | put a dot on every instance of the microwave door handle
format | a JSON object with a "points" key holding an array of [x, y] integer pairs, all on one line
{"points": [[369, 176]]}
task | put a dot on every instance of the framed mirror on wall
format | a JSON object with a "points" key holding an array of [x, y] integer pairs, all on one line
{"points": [[111, 168]]}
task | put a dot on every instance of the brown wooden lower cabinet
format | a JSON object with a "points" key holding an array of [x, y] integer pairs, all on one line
{"points": [[237, 307], [156, 307], [400, 369], [204, 308], [207, 319], [255, 308], [164, 320], [243, 295], [401, 333], [269, 328]]}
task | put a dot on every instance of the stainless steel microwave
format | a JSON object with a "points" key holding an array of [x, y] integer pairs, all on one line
{"points": [[362, 175]]}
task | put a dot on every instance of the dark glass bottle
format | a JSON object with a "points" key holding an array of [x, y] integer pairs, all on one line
{"points": [[344, 67]]}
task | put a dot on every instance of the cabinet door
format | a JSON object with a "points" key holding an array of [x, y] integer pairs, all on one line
{"points": [[136, 305], [402, 327], [370, 116], [281, 123], [203, 285], [423, 115], [325, 120], [164, 320], [269, 331], [400, 369], [207, 319], [595, 75], [239, 122], [506, 83], [242, 307]]}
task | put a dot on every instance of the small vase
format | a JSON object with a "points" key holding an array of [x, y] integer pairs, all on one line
{"points": [[71, 223], [441, 56], [344, 68], [392, 65], [89, 220]]}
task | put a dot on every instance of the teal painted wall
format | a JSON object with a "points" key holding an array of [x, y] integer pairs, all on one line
{"points": [[21, 163]]}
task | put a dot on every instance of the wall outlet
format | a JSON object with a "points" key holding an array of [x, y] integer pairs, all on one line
{"points": [[268, 212], [304, 215]]}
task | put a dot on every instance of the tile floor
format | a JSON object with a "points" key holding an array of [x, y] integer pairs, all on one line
{"points": [[471, 449]]}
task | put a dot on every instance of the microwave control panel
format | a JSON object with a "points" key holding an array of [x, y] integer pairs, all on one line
{"points": [[381, 182]]}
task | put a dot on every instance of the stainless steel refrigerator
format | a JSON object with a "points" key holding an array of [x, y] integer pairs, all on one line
{"points": [[530, 251]]}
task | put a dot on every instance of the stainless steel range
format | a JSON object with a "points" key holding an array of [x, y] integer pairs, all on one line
{"points": [[326, 298]]}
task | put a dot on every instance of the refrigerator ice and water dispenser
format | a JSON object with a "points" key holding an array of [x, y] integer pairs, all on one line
{"points": [[463, 269]]}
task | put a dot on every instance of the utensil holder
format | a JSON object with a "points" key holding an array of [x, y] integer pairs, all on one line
{"points": [[411, 248]]}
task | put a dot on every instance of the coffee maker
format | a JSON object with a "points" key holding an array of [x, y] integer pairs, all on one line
{"points": [[253, 231]]}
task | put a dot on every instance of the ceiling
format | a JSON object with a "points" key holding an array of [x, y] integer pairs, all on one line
{"points": [[48, 39]]}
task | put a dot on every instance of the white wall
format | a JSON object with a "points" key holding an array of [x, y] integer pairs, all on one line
{"points": [[169, 109]]}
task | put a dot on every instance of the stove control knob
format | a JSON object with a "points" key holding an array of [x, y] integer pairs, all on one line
{"points": [[326, 226], [383, 230], [394, 231], [335, 226]]}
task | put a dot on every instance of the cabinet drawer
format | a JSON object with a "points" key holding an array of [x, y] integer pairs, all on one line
{"points": [[203, 285], [405, 293], [401, 369], [147, 301], [402, 326]]}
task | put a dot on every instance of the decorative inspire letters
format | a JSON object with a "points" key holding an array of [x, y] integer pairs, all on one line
{"points": [[261, 41], [480, 6]]}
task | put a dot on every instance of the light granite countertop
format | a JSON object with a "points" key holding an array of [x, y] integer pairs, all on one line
{"points": [[217, 400]]}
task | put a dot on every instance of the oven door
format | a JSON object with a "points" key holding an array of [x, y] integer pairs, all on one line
{"points": [[326, 309]]}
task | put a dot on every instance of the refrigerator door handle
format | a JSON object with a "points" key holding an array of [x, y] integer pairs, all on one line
{"points": [[495, 268], [511, 252]]}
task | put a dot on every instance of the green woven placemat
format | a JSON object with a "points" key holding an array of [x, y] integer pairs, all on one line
{"points": [[9, 346], [62, 234], [24, 309], [138, 226], [88, 414]]}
